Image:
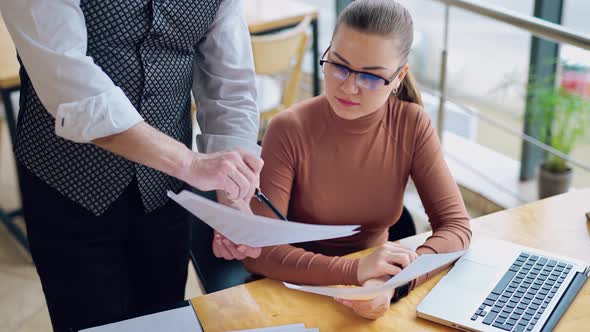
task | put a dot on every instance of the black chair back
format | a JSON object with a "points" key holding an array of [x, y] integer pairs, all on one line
{"points": [[215, 273], [403, 228]]}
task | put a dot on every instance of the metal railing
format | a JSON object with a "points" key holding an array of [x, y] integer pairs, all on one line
{"points": [[497, 124], [537, 27]]}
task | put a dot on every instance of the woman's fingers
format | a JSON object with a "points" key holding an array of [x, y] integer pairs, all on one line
{"points": [[250, 251], [222, 250], [390, 269], [216, 249], [371, 309], [233, 250], [397, 248], [398, 259], [347, 303], [216, 244]]}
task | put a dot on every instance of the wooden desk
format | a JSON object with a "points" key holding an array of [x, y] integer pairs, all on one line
{"points": [[557, 224], [266, 16], [9, 83]]}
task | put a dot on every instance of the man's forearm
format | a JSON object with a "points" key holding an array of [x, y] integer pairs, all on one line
{"points": [[235, 172], [148, 146]]}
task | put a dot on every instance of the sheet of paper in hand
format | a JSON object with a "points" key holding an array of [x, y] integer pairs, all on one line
{"points": [[422, 265], [256, 231]]}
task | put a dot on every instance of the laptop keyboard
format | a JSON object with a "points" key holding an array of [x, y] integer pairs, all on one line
{"points": [[524, 292]]}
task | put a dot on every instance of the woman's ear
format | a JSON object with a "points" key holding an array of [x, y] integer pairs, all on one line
{"points": [[403, 73], [400, 77]]}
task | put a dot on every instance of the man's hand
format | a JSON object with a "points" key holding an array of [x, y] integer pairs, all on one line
{"points": [[373, 308], [224, 248], [235, 175], [235, 172]]}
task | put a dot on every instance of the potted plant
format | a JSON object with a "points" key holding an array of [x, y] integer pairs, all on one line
{"points": [[562, 117]]}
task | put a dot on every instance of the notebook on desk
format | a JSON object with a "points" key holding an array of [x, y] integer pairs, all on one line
{"points": [[181, 319], [501, 286]]}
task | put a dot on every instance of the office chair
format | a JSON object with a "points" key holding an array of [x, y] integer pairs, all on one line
{"points": [[215, 273], [277, 55], [403, 228]]}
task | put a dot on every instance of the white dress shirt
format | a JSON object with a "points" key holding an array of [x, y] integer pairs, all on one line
{"points": [[51, 39]]}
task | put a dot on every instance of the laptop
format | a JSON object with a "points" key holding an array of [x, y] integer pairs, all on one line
{"points": [[501, 286]]}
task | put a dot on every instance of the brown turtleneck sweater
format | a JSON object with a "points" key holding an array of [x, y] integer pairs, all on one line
{"points": [[323, 169]]}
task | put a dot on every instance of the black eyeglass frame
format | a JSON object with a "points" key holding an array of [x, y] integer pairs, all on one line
{"points": [[356, 72]]}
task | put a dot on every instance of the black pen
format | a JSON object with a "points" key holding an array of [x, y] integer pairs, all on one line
{"points": [[261, 197]]}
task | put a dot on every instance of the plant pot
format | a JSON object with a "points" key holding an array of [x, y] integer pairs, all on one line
{"points": [[551, 183]]}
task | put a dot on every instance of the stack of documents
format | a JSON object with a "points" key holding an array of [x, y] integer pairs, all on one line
{"points": [[256, 231], [422, 265], [283, 328]]}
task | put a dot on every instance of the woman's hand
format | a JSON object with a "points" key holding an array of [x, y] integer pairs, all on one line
{"points": [[373, 308], [386, 260], [224, 248]]}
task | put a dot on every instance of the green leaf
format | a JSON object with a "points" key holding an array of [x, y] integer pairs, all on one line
{"points": [[563, 118]]}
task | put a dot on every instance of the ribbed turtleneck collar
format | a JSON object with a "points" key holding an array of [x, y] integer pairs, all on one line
{"points": [[356, 126]]}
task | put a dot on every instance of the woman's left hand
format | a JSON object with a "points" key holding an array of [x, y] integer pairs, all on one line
{"points": [[373, 308], [224, 248]]}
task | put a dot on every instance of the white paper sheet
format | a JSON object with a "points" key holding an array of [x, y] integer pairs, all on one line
{"points": [[422, 265], [177, 320], [282, 328], [256, 231], [285, 328]]}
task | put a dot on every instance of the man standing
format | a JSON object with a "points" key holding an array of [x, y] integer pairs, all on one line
{"points": [[104, 131]]}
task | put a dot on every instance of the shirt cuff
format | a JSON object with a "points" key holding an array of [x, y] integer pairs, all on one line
{"points": [[208, 143], [103, 115]]}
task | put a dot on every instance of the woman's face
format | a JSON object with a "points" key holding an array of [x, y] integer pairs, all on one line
{"points": [[355, 95]]}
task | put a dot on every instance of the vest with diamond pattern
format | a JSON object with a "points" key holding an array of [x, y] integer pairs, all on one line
{"points": [[147, 47]]}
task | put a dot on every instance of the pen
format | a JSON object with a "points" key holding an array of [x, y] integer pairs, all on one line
{"points": [[261, 197]]}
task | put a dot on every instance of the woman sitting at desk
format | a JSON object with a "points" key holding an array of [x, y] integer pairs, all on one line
{"points": [[345, 158]]}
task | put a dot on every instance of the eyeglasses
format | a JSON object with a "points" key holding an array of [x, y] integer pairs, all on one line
{"points": [[363, 79]]}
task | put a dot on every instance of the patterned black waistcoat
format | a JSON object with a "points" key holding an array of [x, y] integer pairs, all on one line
{"points": [[147, 47]]}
